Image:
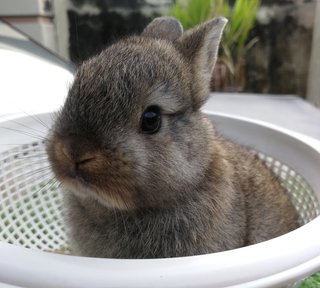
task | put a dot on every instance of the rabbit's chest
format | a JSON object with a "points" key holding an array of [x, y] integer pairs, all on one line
{"points": [[150, 235]]}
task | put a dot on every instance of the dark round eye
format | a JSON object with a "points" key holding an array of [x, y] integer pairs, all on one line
{"points": [[151, 120]]}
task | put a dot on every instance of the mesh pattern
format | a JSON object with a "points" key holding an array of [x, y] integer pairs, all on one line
{"points": [[300, 191], [30, 202], [30, 198]]}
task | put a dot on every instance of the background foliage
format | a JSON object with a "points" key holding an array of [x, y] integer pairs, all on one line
{"points": [[234, 44]]}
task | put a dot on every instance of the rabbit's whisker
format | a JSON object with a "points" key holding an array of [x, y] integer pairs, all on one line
{"points": [[36, 136], [25, 126]]}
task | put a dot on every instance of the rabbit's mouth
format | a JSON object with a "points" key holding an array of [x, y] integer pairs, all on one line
{"points": [[115, 193], [112, 192], [114, 198]]}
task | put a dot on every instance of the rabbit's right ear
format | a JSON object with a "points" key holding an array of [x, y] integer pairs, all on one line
{"points": [[164, 28], [200, 47]]}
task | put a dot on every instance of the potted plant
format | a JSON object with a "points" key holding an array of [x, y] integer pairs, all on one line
{"points": [[229, 73]]}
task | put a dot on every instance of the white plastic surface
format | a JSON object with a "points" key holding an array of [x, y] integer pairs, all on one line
{"points": [[273, 263], [30, 85]]}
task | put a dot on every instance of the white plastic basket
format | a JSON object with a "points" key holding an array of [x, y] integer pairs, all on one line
{"points": [[30, 217]]}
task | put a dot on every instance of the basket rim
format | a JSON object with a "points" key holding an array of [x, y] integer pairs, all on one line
{"points": [[312, 142], [54, 270]]}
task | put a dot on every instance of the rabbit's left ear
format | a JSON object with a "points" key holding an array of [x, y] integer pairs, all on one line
{"points": [[164, 28], [200, 46]]}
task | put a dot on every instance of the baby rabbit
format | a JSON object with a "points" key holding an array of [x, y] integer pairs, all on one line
{"points": [[144, 173]]}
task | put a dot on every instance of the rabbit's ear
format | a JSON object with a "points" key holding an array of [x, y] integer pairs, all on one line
{"points": [[164, 28], [200, 45]]}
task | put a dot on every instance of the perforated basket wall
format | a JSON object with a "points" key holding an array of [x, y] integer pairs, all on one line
{"points": [[31, 204], [30, 200]]}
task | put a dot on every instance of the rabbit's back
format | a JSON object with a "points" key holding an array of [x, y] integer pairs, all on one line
{"points": [[269, 210]]}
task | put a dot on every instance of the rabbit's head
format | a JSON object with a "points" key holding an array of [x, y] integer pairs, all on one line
{"points": [[130, 133]]}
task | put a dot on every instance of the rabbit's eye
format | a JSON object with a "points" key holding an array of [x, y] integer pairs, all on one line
{"points": [[151, 120]]}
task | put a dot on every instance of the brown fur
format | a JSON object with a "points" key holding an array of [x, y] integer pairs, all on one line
{"points": [[181, 191]]}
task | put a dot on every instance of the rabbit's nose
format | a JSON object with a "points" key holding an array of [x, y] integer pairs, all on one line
{"points": [[78, 159], [82, 162]]}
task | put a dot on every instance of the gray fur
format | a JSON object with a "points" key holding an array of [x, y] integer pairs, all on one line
{"points": [[164, 28], [182, 191]]}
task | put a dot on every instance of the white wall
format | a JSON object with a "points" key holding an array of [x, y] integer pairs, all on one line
{"points": [[33, 17]]}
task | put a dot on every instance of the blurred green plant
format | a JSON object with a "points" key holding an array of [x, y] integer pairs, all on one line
{"points": [[311, 282], [234, 42]]}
